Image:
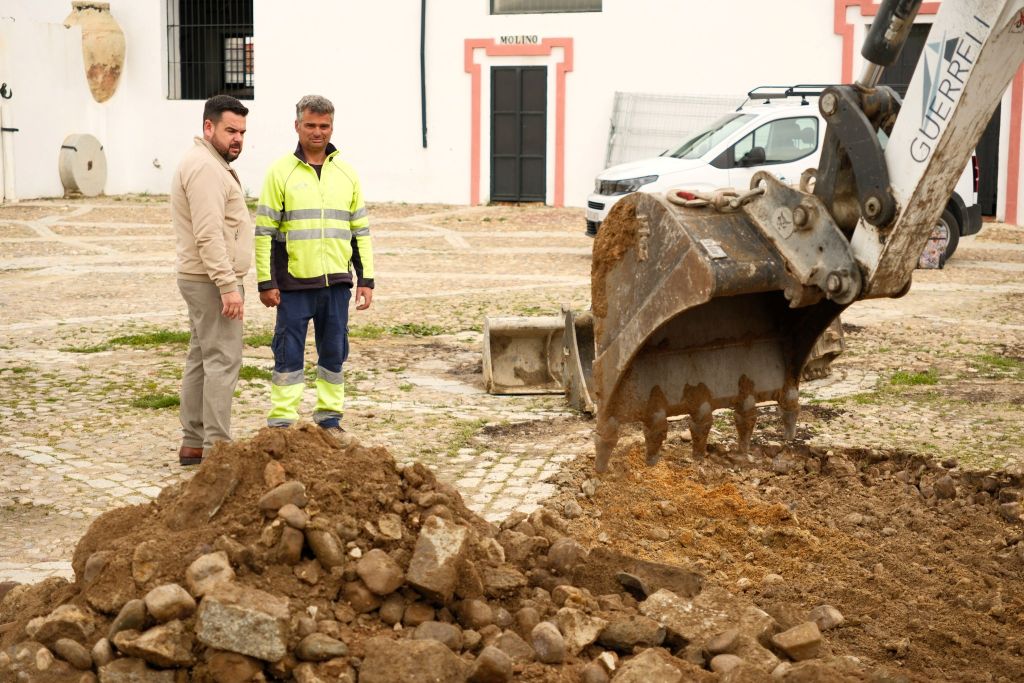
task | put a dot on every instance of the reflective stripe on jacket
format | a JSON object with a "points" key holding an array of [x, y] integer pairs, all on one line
{"points": [[312, 231]]}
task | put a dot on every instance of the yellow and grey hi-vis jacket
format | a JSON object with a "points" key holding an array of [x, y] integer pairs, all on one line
{"points": [[309, 229]]}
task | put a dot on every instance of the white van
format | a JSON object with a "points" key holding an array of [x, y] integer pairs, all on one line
{"points": [[782, 135]]}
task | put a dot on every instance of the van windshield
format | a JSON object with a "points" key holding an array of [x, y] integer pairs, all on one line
{"points": [[701, 143]]}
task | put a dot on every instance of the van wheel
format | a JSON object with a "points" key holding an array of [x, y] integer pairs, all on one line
{"points": [[947, 232]]}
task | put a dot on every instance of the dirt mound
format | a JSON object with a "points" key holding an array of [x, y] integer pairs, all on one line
{"points": [[293, 556], [924, 561]]}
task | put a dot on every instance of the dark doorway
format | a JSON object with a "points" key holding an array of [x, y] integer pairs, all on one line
{"points": [[898, 75], [519, 121]]}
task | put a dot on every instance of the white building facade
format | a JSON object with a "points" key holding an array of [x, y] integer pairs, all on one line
{"points": [[517, 104]]}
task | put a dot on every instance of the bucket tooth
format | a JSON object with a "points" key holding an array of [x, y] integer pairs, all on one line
{"points": [[655, 431], [605, 437], [745, 414], [700, 429], [790, 405]]}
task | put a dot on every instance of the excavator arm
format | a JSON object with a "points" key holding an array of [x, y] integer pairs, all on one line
{"points": [[704, 303]]}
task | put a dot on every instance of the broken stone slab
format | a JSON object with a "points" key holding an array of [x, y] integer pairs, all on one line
{"points": [[440, 549], [653, 665], [381, 574], [800, 642], [274, 474], [515, 647], [207, 571], [168, 645], [133, 670], [724, 643], [410, 661], [503, 580], [746, 672], [564, 555], [752, 652], [724, 663], [626, 632], [244, 620], [843, 669], [599, 575], [67, 621], [702, 617], [578, 628], [145, 561], [390, 526], [826, 617], [169, 602]]}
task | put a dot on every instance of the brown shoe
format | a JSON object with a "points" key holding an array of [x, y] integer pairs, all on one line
{"points": [[190, 456]]}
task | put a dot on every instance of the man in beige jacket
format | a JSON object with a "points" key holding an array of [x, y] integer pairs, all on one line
{"points": [[214, 234]]}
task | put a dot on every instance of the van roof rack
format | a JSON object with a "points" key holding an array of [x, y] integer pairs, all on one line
{"points": [[767, 93]]}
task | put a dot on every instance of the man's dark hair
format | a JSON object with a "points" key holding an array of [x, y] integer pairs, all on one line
{"points": [[218, 104]]}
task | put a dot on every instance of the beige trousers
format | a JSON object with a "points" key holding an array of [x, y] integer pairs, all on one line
{"points": [[211, 366]]}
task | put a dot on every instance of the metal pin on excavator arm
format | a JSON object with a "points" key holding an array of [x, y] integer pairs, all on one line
{"points": [[718, 306]]}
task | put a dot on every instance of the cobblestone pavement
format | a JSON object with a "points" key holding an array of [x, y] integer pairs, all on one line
{"points": [[87, 283]]}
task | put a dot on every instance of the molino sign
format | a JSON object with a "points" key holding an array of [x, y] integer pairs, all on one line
{"points": [[519, 40]]}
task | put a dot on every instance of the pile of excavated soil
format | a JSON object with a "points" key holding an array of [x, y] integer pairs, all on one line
{"points": [[293, 556], [924, 561]]}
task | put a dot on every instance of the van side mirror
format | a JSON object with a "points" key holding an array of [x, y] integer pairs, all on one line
{"points": [[754, 157]]}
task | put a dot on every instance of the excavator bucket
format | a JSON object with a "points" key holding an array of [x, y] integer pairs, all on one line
{"points": [[578, 359], [696, 310], [826, 349], [523, 355]]}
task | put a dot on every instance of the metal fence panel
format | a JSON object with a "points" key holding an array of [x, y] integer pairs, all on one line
{"points": [[645, 125]]}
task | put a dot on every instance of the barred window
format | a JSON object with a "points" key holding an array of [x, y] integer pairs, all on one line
{"points": [[541, 6], [210, 49]]}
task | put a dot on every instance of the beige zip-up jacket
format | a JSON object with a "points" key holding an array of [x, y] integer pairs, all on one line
{"points": [[212, 225]]}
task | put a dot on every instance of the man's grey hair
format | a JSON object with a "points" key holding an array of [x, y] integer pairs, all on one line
{"points": [[315, 104]]}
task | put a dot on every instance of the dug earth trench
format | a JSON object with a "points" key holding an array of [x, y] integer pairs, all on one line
{"points": [[891, 524], [298, 556]]}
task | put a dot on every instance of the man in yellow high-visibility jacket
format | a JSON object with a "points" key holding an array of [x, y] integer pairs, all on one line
{"points": [[311, 232]]}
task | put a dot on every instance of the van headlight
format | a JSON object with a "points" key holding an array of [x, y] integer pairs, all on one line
{"points": [[614, 187]]}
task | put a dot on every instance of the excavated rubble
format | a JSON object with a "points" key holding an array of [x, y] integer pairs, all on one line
{"points": [[294, 556]]}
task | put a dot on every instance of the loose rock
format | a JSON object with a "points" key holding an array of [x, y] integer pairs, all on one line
{"points": [[169, 602]]}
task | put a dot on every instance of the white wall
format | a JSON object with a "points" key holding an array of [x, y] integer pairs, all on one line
{"points": [[369, 65], [364, 56], [42, 62]]}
